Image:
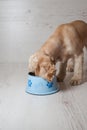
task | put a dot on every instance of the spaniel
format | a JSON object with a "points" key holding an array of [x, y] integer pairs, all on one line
{"points": [[65, 45]]}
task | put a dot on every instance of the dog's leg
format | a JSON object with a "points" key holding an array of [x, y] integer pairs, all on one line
{"points": [[78, 70], [70, 65], [62, 72]]}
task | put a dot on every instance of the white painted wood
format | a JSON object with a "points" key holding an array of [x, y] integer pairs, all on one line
{"points": [[26, 24], [65, 110]]}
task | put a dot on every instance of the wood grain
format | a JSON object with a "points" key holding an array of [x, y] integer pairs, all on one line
{"points": [[65, 110], [24, 26]]}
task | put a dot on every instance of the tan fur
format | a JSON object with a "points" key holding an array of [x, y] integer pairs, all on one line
{"points": [[66, 42], [70, 65]]}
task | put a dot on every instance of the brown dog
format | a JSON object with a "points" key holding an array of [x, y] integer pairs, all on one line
{"points": [[65, 45]]}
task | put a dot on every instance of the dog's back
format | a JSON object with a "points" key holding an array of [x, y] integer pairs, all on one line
{"points": [[81, 27]]}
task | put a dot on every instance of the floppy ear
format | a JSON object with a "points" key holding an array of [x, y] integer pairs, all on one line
{"points": [[51, 69], [41, 69], [51, 72], [52, 60]]}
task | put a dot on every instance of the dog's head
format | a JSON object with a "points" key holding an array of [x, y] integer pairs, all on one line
{"points": [[43, 66]]}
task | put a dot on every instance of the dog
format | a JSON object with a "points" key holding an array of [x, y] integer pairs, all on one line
{"points": [[66, 46]]}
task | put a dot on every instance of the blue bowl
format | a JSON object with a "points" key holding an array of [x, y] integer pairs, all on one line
{"points": [[39, 86]]}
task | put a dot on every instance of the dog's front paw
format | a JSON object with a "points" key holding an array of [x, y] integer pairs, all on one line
{"points": [[75, 81]]}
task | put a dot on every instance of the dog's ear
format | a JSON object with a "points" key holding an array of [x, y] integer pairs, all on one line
{"points": [[41, 69], [52, 60], [45, 70], [51, 71]]}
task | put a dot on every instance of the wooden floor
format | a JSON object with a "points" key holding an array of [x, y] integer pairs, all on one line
{"points": [[65, 110], [24, 26]]}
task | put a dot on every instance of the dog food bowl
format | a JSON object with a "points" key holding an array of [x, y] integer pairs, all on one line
{"points": [[39, 86]]}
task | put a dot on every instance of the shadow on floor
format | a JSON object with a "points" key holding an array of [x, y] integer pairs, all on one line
{"points": [[64, 86]]}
